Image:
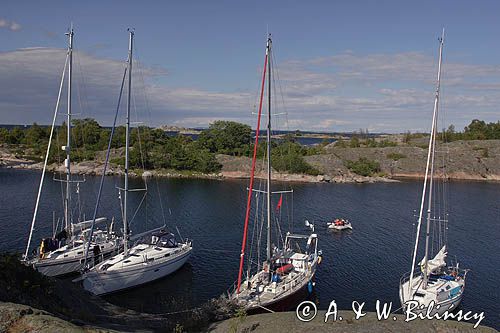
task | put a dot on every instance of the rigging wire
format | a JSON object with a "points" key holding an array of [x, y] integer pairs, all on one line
{"points": [[96, 208], [46, 160], [144, 157]]}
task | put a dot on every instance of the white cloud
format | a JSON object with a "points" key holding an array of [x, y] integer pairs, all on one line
{"points": [[381, 92], [10, 25]]}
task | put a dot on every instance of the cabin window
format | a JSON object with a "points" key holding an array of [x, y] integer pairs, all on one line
{"points": [[126, 261], [79, 252]]}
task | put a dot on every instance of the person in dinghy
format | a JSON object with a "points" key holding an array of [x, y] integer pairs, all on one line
{"points": [[339, 224]]}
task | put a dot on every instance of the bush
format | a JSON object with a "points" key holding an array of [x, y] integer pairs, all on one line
{"points": [[363, 166], [387, 143], [226, 137], [288, 156], [396, 156]]}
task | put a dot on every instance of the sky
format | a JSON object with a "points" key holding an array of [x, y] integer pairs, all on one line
{"points": [[338, 65]]}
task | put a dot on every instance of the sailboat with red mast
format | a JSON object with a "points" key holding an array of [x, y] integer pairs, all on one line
{"points": [[288, 267]]}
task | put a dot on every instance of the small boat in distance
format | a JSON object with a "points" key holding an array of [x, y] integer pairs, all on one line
{"points": [[339, 224]]}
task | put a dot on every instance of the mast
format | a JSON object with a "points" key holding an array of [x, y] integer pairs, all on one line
{"points": [[67, 148], [268, 51], [252, 176], [431, 181], [127, 138], [430, 155], [42, 178]]}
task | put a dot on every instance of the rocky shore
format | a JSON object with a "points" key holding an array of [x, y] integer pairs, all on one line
{"points": [[287, 322], [31, 302], [477, 160], [18, 318]]}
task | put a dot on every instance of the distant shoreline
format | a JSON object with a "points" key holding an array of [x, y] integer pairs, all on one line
{"points": [[87, 168], [473, 160]]}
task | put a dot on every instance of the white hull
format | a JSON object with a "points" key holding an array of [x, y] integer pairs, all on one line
{"points": [[104, 282], [58, 267], [439, 297], [448, 305], [340, 227]]}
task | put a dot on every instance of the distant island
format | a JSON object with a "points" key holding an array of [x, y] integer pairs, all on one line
{"points": [[223, 150]]}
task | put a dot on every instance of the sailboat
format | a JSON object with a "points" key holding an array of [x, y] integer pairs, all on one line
{"points": [[154, 254], [436, 288], [286, 270], [63, 252]]}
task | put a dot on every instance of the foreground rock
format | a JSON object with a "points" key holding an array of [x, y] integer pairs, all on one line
{"points": [[31, 302], [288, 323], [68, 302], [18, 318]]}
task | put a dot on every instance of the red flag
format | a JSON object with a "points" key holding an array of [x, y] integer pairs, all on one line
{"points": [[279, 202]]}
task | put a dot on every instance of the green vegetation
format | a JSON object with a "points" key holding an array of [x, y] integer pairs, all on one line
{"points": [[288, 156], [154, 149], [484, 151], [357, 142], [226, 137], [396, 156], [363, 166], [149, 148], [476, 130], [408, 136]]}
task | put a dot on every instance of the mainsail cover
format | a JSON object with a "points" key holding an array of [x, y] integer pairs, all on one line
{"points": [[436, 263], [85, 224]]}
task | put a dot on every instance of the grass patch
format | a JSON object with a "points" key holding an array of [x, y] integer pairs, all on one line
{"points": [[396, 156]]}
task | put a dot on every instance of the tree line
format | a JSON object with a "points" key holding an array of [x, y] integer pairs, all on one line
{"points": [[152, 148]]}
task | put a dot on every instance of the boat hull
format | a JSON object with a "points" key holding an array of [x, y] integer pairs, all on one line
{"points": [[438, 308], [101, 283], [57, 267], [340, 227], [285, 303], [281, 302], [432, 304]]}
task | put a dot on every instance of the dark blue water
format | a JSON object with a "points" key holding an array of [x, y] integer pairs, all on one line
{"points": [[363, 265]]}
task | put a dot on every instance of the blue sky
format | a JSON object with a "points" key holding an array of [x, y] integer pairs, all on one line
{"points": [[342, 65]]}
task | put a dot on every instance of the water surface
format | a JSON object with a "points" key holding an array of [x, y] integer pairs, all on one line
{"points": [[364, 265]]}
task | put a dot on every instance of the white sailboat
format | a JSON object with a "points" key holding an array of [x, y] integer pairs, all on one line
{"points": [[63, 252], [436, 288], [153, 255], [286, 270]]}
